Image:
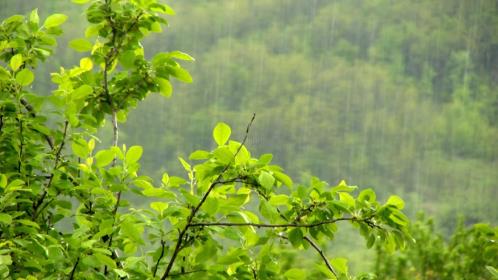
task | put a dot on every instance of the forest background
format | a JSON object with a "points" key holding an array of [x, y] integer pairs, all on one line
{"points": [[400, 96]]}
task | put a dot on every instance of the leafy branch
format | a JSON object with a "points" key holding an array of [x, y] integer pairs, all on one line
{"points": [[289, 225], [194, 211]]}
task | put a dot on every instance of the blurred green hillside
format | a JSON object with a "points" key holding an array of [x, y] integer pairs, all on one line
{"points": [[400, 96]]}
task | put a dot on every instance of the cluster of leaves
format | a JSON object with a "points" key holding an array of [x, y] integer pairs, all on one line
{"points": [[64, 212], [470, 253]]}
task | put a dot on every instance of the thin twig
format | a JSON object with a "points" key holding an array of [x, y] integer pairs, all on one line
{"points": [[51, 178], [163, 243], [320, 251], [290, 225], [32, 113], [71, 276], [196, 209]]}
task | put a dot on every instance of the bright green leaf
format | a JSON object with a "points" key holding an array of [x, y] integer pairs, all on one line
{"points": [[16, 62], [165, 87], [55, 20], [340, 265], [81, 2], [181, 55], [159, 206], [104, 157], [396, 201], [25, 77], [295, 274], [493, 271], [105, 260], [182, 75], [34, 18], [3, 181], [133, 154], [279, 199], [266, 180], [5, 260], [5, 218], [81, 45], [82, 92], [283, 178], [295, 236], [199, 155], [221, 133]]}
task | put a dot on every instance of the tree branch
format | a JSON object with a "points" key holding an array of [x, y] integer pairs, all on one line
{"points": [[290, 225], [196, 209], [163, 243], [51, 178], [327, 263], [32, 113], [71, 276]]}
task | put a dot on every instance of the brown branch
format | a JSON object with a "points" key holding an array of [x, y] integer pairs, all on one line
{"points": [[71, 276], [327, 263], [32, 113], [163, 243], [196, 209], [51, 178], [289, 225]]}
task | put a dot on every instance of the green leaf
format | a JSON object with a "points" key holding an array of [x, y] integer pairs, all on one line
{"points": [[266, 180], [265, 159], [5, 218], [34, 18], [367, 195], [80, 2], [55, 20], [295, 274], [268, 211], [181, 55], [3, 181], [25, 77], [80, 148], [4, 74], [105, 260], [185, 164], [159, 206], [5, 260], [29, 223], [16, 62], [396, 201], [399, 218], [283, 178], [347, 199], [343, 187], [104, 157], [143, 184], [279, 199], [161, 8], [340, 265], [165, 87], [296, 237], [493, 271], [221, 133], [199, 155], [182, 75], [133, 154], [211, 205], [223, 155], [82, 92], [81, 45]]}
